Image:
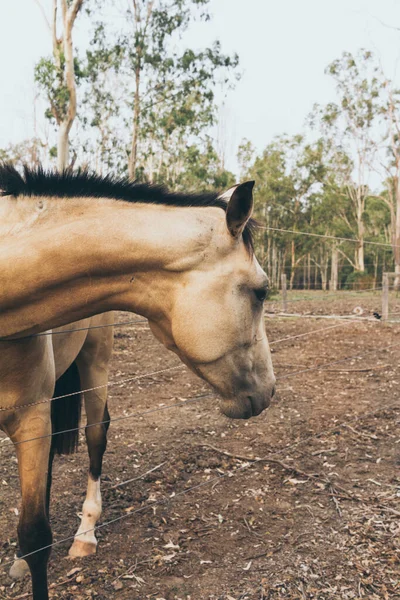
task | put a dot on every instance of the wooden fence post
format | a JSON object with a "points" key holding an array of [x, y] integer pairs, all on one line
{"points": [[385, 296], [284, 292]]}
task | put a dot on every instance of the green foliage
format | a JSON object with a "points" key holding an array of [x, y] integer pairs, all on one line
{"points": [[50, 78], [200, 170], [138, 76], [359, 280], [135, 76]]}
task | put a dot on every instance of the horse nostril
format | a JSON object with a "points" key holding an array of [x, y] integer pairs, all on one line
{"points": [[273, 391]]}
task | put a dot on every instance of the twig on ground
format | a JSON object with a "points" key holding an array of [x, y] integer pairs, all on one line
{"points": [[388, 509], [275, 461], [361, 433], [335, 500], [266, 553], [250, 528]]}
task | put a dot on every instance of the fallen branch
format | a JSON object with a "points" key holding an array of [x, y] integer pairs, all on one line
{"points": [[390, 510], [360, 433], [267, 459]]}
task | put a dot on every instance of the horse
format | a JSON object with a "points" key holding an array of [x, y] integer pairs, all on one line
{"points": [[74, 245], [82, 352]]}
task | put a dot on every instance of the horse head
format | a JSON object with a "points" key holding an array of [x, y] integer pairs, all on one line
{"points": [[215, 320]]}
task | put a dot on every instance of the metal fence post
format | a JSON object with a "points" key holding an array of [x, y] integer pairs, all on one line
{"points": [[284, 292], [385, 296]]}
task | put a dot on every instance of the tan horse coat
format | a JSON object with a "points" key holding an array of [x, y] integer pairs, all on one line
{"points": [[185, 268]]}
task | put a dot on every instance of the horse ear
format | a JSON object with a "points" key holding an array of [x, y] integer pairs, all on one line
{"points": [[240, 206]]}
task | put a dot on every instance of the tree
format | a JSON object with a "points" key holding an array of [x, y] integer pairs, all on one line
{"points": [[286, 174], [30, 151], [388, 163], [102, 99], [350, 125], [57, 75], [169, 93]]}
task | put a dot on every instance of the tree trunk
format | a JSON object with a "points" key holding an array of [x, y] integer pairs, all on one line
{"points": [[324, 272], [324, 278], [141, 27], [359, 254], [275, 265], [396, 240], [66, 121], [293, 266], [132, 163], [63, 146], [334, 270], [376, 262]]}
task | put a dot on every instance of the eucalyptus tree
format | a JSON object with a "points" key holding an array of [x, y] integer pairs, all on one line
{"points": [[388, 164], [350, 124], [378, 222], [273, 200], [174, 87], [166, 89], [56, 75], [147, 97], [102, 98], [286, 172]]}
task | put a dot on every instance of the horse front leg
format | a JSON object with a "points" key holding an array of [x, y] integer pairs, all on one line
{"points": [[85, 542], [20, 567], [34, 532]]}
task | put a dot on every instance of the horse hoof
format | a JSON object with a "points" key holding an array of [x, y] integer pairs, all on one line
{"points": [[79, 549], [19, 569]]}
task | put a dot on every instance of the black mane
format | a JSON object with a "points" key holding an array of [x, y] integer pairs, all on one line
{"points": [[82, 183]]}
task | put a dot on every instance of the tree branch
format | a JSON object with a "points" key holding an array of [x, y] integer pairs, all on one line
{"points": [[73, 11], [56, 41], [43, 14], [385, 24], [267, 459], [347, 258]]}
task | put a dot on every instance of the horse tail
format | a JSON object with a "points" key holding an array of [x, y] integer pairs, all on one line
{"points": [[66, 412]]}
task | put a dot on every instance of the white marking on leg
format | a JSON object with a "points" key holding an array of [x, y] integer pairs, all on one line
{"points": [[85, 543]]}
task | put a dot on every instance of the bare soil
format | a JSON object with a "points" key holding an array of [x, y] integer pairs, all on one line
{"points": [[319, 519]]}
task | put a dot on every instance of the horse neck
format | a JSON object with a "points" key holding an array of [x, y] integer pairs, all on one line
{"points": [[81, 257]]}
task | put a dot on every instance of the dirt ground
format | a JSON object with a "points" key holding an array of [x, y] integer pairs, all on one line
{"points": [[319, 518]]}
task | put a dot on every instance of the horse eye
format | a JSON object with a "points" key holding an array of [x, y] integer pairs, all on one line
{"points": [[261, 294]]}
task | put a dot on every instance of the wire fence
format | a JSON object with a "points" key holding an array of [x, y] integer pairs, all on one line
{"points": [[194, 399], [328, 237], [337, 295], [200, 396], [230, 473]]}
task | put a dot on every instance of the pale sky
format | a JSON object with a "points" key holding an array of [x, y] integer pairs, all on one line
{"points": [[283, 45]]}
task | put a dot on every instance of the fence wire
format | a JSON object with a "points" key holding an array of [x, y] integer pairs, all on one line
{"points": [[97, 387], [208, 395], [197, 398], [213, 480], [327, 237]]}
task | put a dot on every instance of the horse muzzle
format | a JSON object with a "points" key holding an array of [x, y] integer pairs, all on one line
{"points": [[246, 407]]}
